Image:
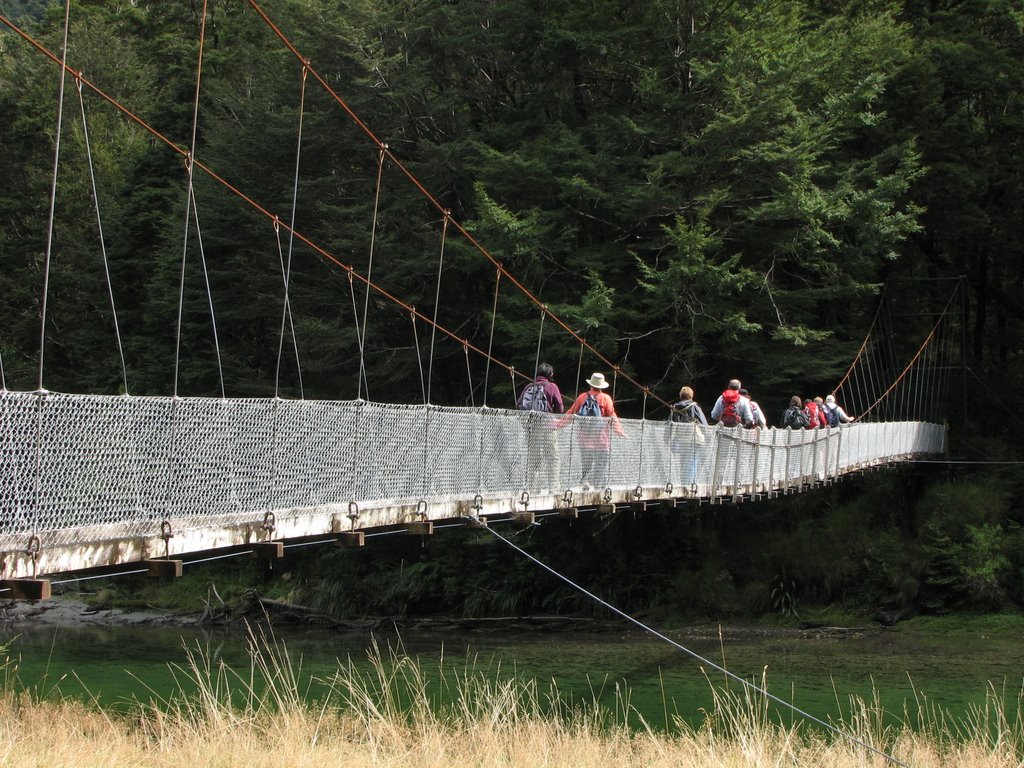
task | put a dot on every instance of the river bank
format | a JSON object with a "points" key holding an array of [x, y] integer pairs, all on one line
{"points": [[73, 610]]}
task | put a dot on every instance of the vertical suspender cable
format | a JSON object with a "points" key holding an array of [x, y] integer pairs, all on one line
{"points": [[190, 168], [209, 295], [286, 313], [579, 363], [3, 381], [369, 275], [419, 356], [643, 427], [437, 306], [871, 378], [948, 349], [540, 337], [99, 229], [490, 342], [40, 392], [181, 296], [930, 380], [359, 337], [579, 376], [53, 196], [469, 376], [893, 370]]}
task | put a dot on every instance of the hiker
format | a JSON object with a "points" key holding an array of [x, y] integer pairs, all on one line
{"points": [[814, 414], [731, 409], [686, 432], [592, 431], [794, 416], [686, 411], [756, 414], [834, 413], [540, 398]]}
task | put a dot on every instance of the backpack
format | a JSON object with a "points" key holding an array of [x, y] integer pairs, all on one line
{"points": [[730, 416], [589, 407], [534, 398], [684, 414], [811, 412], [832, 416], [795, 419]]}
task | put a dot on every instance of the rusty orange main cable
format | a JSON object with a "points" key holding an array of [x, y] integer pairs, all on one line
{"points": [[928, 339], [383, 147], [241, 195]]}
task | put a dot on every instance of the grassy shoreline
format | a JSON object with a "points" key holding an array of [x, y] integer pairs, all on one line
{"points": [[392, 715]]}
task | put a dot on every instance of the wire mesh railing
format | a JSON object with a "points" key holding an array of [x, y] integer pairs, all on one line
{"points": [[74, 467]]}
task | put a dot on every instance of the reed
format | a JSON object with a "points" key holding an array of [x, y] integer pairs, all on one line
{"points": [[391, 714]]}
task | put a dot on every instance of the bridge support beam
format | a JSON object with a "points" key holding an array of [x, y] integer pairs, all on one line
{"points": [[268, 550], [25, 589], [164, 567], [351, 539], [420, 528]]}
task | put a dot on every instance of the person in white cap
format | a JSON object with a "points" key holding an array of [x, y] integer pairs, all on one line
{"points": [[834, 413], [594, 411]]}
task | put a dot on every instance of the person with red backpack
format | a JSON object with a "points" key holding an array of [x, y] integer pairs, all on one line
{"points": [[732, 409], [814, 414]]}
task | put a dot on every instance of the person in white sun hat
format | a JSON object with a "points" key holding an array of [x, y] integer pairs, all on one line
{"points": [[593, 412], [834, 413]]}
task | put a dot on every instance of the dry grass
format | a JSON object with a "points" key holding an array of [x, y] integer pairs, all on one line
{"points": [[391, 716]]}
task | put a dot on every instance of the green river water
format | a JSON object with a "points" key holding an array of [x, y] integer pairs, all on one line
{"points": [[904, 666]]}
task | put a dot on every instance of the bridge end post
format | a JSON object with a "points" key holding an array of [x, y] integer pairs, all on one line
{"points": [[25, 589]]}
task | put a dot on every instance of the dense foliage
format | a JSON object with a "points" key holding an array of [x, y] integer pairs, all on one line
{"points": [[702, 189]]}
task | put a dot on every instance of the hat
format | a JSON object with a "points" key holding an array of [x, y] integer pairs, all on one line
{"points": [[597, 381], [830, 399]]}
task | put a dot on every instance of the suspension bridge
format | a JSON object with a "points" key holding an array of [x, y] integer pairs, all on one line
{"points": [[119, 481]]}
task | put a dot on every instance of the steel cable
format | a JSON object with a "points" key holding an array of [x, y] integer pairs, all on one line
{"points": [[696, 656]]}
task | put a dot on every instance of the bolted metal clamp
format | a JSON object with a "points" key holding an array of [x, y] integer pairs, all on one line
{"points": [[525, 499], [638, 492], [269, 523], [166, 533], [353, 513], [32, 550]]}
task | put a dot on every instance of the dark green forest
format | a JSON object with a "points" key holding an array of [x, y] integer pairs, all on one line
{"points": [[701, 188]]}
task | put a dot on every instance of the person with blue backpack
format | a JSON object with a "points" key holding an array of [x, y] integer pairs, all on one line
{"points": [[834, 413], [593, 412], [541, 398]]}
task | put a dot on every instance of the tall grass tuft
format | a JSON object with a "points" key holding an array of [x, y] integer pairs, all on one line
{"points": [[392, 713]]}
